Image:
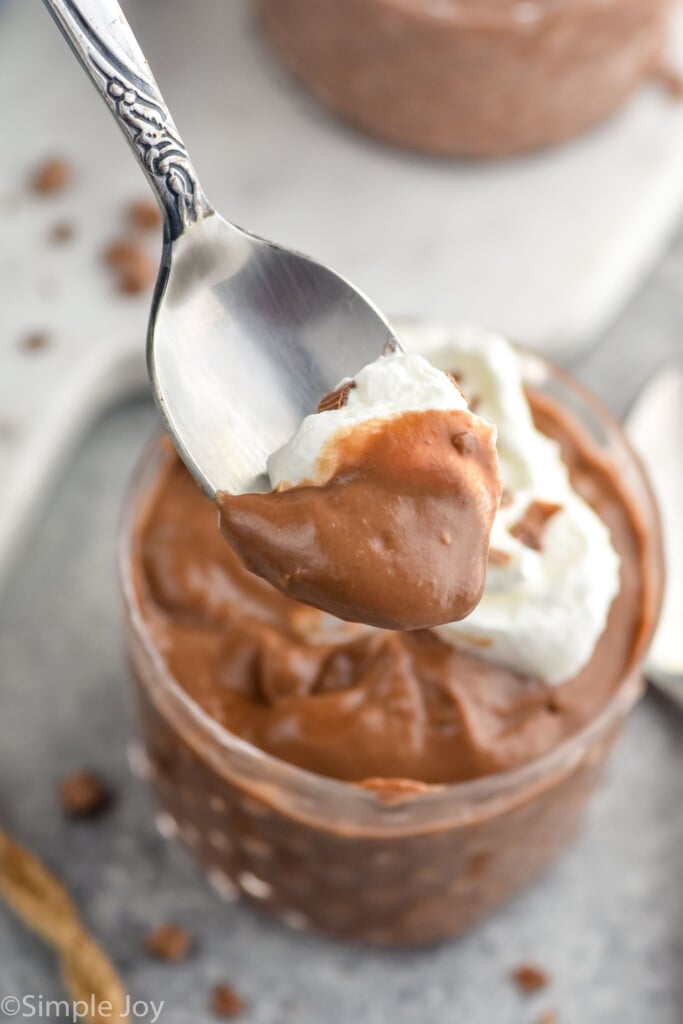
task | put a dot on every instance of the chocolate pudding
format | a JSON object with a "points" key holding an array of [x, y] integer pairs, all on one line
{"points": [[473, 77], [397, 533], [437, 780]]}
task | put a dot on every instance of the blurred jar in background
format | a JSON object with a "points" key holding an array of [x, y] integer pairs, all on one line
{"points": [[471, 77]]}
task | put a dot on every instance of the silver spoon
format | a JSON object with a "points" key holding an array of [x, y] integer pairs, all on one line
{"points": [[244, 336]]}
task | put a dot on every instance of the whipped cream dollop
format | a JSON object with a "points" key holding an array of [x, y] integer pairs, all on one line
{"points": [[395, 383], [543, 609], [544, 606]]}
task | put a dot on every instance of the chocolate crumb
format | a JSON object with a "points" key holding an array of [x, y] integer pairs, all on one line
{"points": [[121, 254], [62, 232], [506, 498], [225, 1002], [84, 795], [498, 557], [36, 341], [549, 1017], [530, 978], [168, 942], [529, 529], [336, 399], [463, 442], [144, 214], [52, 176], [136, 272]]}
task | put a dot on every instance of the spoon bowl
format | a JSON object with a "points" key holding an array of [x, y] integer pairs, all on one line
{"points": [[245, 336]]}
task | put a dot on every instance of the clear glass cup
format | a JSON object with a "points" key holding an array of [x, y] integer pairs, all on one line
{"points": [[404, 866], [470, 77]]}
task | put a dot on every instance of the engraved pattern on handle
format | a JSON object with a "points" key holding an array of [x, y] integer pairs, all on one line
{"points": [[123, 78]]}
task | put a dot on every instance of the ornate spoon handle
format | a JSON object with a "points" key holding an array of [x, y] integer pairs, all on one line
{"points": [[101, 38]]}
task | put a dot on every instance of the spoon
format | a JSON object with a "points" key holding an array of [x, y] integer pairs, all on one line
{"points": [[245, 336]]}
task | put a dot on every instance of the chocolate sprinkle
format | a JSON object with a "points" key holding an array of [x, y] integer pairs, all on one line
{"points": [[225, 1002], [36, 341], [530, 978], [336, 399], [144, 214], [52, 176], [84, 795], [529, 529], [168, 942]]}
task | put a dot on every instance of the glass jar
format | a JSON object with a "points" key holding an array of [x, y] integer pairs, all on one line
{"points": [[404, 865], [470, 77]]}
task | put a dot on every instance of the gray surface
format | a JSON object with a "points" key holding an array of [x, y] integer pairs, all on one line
{"points": [[606, 921]]}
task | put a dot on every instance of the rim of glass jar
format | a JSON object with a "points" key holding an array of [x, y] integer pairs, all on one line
{"points": [[384, 806], [520, 15]]}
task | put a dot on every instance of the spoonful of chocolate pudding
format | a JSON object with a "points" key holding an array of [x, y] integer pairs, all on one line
{"points": [[382, 501]]}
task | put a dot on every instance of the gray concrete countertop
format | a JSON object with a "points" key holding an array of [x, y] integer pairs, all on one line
{"points": [[605, 921]]}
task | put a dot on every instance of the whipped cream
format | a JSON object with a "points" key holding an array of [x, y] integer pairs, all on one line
{"points": [[395, 383], [542, 611]]}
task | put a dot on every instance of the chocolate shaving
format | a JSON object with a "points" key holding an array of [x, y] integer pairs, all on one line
{"points": [[36, 341], [136, 272], [168, 942], [84, 795], [530, 978], [529, 529], [336, 399], [144, 214], [52, 176], [225, 1002], [499, 558]]}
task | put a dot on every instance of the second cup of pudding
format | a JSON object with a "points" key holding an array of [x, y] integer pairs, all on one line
{"points": [[395, 787], [483, 78]]}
